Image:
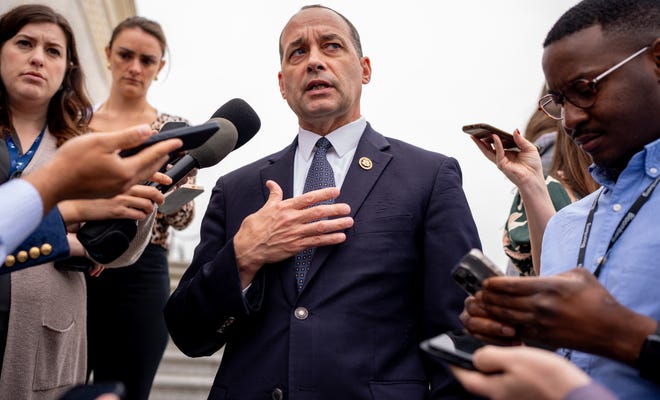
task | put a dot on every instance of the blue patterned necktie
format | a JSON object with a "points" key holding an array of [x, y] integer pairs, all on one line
{"points": [[319, 176]]}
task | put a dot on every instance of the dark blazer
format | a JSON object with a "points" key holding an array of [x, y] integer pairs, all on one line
{"points": [[353, 330]]}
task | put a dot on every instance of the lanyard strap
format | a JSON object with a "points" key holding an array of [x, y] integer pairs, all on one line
{"points": [[18, 162], [623, 224]]}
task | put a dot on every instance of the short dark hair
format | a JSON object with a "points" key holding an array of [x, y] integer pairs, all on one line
{"points": [[635, 21], [355, 36], [69, 109], [153, 28]]}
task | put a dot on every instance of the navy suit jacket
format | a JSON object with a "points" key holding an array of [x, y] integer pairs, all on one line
{"points": [[353, 330]]}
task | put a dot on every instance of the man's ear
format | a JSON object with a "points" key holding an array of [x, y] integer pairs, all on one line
{"points": [[281, 84], [365, 62]]}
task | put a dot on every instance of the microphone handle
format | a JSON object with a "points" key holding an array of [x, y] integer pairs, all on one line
{"points": [[180, 169]]}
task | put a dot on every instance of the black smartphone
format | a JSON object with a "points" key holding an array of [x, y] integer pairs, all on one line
{"points": [[472, 270], [484, 132], [192, 137], [453, 347]]}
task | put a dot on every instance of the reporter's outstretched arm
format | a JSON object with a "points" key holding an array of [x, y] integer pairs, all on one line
{"points": [[89, 166]]}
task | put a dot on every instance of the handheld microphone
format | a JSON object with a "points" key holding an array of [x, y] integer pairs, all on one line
{"points": [[106, 240], [210, 153], [238, 124]]}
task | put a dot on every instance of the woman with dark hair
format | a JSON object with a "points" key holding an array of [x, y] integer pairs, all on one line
{"points": [[126, 328], [43, 104]]}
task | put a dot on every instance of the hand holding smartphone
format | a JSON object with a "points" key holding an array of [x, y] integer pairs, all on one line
{"points": [[192, 137], [484, 132], [472, 270]]}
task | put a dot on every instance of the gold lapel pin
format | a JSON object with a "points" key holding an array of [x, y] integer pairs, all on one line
{"points": [[365, 163]]}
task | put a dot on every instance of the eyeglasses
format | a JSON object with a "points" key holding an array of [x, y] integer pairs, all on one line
{"points": [[581, 92]]}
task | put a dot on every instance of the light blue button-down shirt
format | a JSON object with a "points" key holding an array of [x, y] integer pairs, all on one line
{"points": [[22, 211], [631, 272]]}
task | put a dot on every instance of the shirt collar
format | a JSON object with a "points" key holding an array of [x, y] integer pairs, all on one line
{"points": [[647, 161], [343, 139]]}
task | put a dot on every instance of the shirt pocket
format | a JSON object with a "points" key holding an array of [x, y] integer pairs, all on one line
{"points": [[57, 357]]}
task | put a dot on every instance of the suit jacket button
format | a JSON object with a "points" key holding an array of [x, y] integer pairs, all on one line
{"points": [[301, 313], [22, 256], [277, 394], [34, 252], [46, 249], [10, 261]]}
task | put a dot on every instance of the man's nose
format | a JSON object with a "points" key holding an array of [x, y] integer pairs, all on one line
{"points": [[573, 116], [315, 61]]}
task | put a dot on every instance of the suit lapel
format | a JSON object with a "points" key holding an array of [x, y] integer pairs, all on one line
{"points": [[368, 164], [280, 170]]}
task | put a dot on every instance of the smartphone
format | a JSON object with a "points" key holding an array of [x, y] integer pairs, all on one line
{"points": [[452, 347], [472, 270], [177, 198], [484, 132], [192, 137]]}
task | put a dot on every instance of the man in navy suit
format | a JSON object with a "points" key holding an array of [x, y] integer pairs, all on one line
{"points": [[379, 280]]}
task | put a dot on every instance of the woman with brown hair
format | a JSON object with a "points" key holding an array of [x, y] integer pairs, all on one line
{"points": [[126, 328]]}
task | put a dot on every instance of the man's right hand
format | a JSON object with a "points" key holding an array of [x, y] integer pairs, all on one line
{"points": [[283, 228]]}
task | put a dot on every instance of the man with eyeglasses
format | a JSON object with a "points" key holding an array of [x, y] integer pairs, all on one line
{"points": [[602, 66]]}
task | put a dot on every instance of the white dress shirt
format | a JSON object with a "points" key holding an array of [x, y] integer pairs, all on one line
{"points": [[344, 143]]}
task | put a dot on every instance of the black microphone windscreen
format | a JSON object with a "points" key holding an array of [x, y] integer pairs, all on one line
{"points": [[218, 146], [245, 119]]}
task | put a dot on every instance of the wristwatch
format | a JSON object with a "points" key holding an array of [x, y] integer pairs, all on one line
{"points": [[648, 361]]}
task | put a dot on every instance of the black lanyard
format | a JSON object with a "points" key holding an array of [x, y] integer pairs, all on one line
{"points": [[19, 162], [623, 224]]}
